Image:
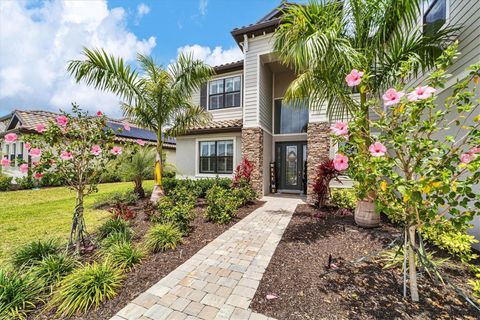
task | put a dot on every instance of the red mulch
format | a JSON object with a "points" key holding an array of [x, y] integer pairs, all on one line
{"points": [[156, 266], [297, 275]]}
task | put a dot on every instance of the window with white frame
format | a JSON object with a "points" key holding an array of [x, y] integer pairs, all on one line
{"points": [[216, 157], [224, 93], [435, 16]]}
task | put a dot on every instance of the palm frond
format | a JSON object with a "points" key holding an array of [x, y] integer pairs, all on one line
{"points": [[186, 117], [189, 73], [107, 73]]}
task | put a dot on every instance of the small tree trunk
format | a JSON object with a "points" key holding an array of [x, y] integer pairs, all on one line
{"points": [[139, 188], [77, 233], [158, 192], [412, 268]]}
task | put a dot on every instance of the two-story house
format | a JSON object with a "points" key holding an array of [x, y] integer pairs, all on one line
{"points": [[249, 119]]}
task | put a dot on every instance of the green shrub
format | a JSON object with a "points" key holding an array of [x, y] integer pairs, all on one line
{"points": [[113, 226], [54, 267], [116, 237], [245, 194], [20, 292], [204, 185], [51, 179], [86, 287], [5, 182], [475, 283], [24, 183], [162, 236], [32, 253], [180, 214], [183, 194], [111, 176], [123, 254], [445, 236], [169, 184], [344, 198], [221, 204]]}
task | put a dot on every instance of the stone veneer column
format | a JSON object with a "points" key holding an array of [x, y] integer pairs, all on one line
{"points": [[318, 146], [252, 149]]}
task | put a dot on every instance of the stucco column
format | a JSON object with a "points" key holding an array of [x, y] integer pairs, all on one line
{"points": [[252, 149], [318, 144]]}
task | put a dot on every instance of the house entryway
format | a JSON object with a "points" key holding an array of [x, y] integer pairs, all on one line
{"points": [[290, 162]]}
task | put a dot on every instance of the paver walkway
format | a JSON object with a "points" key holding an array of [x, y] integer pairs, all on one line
{"points": [[220, 280]]}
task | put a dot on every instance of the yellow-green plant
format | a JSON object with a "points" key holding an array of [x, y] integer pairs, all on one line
{"points": [[162, 237], [86, 287]]}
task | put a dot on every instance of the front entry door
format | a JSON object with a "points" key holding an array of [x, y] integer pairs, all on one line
{"points": [[290, 158]]}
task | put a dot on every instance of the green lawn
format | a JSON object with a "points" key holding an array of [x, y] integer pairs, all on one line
{"points": [[39, 214]]}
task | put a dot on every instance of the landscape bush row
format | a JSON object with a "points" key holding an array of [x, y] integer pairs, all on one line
{"points": [[43, 273]]}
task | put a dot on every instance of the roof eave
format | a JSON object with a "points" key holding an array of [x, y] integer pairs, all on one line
{"points": [[255, 29]]}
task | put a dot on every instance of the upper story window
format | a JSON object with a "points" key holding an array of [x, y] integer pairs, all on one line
{"points": [[224, 93], [288, 119], [435, 16]]}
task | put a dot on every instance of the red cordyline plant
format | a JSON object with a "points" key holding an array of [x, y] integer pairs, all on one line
{"points": [[326, 172], [243, 173]]}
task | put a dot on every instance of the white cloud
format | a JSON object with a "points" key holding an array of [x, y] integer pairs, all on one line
{"points": [[214, 57], [142, 10], [37, 43], [202, 7]]}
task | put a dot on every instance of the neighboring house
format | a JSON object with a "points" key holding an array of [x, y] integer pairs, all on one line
{"points": [[24, 122], [250, 119]]}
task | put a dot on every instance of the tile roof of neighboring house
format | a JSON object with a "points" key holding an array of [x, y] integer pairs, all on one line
{"points": [[30, 118], [217, 126]]}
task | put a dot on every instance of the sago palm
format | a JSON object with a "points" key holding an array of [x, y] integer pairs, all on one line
{"points": [[137, 167], [324, 40], [156, 98]]}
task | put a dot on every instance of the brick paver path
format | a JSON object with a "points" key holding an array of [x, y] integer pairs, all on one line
{"points": [[220, 280]]}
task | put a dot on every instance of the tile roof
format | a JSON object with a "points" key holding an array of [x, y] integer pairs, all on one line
{"points": [[218, 125], [30, 118], [235, 65]]}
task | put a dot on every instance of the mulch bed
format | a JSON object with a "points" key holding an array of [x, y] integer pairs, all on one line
{"points": [[307, 289], [156, 266]]}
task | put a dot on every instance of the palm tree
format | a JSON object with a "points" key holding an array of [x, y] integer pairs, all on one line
{"points": [[136, 166], [157, 99], [324, 40]]}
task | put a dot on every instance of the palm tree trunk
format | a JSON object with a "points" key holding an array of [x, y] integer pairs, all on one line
{"points": [[158, 192], [139, 188]]}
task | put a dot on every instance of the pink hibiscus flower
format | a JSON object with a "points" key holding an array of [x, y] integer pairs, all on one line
{"points": [[10, 137], [140, 142], [27, 145], [354, 78], [40, 128], [23, 168], [340, 128], [474, 150], [116, 151], [99, 113], [466, 158], [340, 162], [65, 155], [421, 93], [392, 97], [96, 150], [377, 149], [126, 127], [62, 121], [38, 176], [35, 152], [5, 162]]}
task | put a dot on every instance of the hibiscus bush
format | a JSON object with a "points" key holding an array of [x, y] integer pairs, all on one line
{"points": [[75, 148], [423, 165]]}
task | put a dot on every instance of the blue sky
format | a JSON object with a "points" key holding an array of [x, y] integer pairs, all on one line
{"points": [[38, 38]]}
